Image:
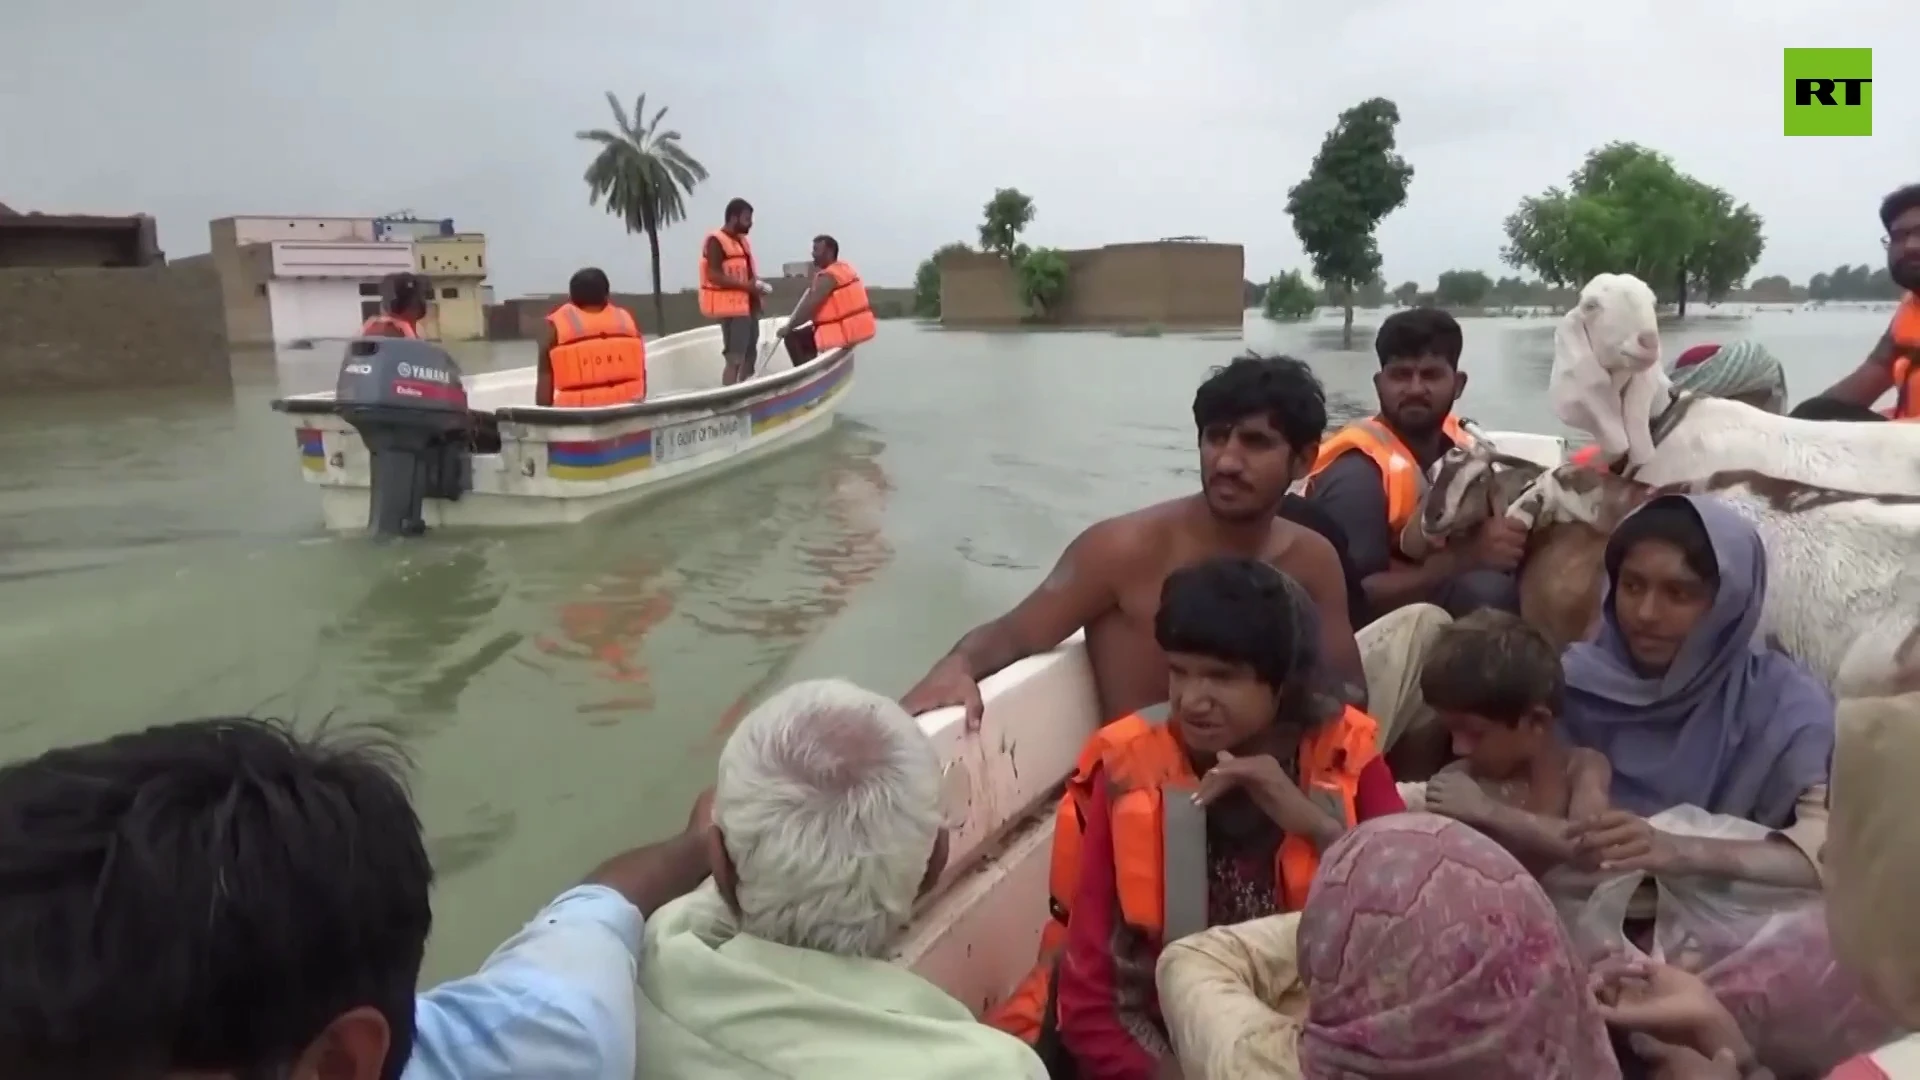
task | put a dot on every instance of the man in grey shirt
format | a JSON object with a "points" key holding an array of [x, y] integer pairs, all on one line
{"points": [[1418, 382]]}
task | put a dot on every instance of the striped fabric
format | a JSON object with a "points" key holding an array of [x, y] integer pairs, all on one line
{"points": [[1744, 367]]}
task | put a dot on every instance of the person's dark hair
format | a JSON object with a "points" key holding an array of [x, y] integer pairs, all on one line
{"points": [[1417, 332], [832, 244], [1241, 611], [1673, 520], [1280, 388], [404, 290], [1826, 408], [1897, 203], [1492, 664], [205, 896], [736, 207], [589, 287]]}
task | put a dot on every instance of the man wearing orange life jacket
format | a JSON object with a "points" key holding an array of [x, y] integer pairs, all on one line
{"points": [[836, 305], [403, 303], [592, 353], [1894, 363], [1370, 476], [1210, 810], [730, 290]]}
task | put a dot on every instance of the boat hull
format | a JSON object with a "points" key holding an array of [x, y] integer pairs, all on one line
{"points": [[561, 466]]}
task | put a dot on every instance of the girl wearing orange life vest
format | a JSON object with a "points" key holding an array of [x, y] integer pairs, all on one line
{"points": [[1216, 815]]}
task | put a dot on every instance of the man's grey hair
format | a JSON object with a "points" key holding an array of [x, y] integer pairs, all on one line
{"points": [[829, 802]]}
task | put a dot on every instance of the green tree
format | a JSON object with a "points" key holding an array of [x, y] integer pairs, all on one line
{"points": [[1007, 215], [926, 281], [1773, 289], [1860, 282], [1356, 179], [1627, 209], [641, 175], [1043, 278], [1463, 288], [1404, 293], [1290, 297]]}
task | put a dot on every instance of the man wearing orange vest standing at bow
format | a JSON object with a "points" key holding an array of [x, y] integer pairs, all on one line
{"points": [[1894, 363], [730, 290], [835, 305], [1369, 477], [592, 353], [403, 303], [1210, 810]]}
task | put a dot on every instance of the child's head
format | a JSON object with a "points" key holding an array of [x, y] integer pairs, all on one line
{"points": [[1495, 683], [1240, 639]]}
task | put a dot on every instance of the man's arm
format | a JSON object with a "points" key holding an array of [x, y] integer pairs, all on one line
{"points": [[543, 380], [716, 272], [1353, 495], [1079, 590], [1864, 385], [816, 295], [1318, 570]]}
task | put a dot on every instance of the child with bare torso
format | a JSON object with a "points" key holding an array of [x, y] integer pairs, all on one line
{"points": [[1495, 683]]}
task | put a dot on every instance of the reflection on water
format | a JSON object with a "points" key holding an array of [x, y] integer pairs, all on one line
{"points": [[564, 690]]}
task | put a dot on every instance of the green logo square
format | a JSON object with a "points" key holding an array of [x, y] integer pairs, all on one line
{"points": [[1829, 92]]}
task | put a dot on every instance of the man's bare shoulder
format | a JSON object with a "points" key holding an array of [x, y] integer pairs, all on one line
{"points": [[1292, 545]]}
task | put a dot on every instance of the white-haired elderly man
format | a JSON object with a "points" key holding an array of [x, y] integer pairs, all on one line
{"points": [[826, 829]]}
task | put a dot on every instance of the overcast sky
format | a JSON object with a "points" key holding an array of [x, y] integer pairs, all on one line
{"points": [[890, 123]]}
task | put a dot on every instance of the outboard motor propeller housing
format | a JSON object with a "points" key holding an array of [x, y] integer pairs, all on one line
{"points": [[406, 400]]}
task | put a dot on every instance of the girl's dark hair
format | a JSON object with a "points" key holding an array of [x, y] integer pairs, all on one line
{"points": [[1674, 521], [1241, 611]]}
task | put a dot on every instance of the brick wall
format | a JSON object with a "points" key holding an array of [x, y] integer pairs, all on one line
{"points": [[73, 329], [1164, 284]]}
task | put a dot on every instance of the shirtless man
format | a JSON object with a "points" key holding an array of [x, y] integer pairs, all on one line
{"points": [[1260, 421]]}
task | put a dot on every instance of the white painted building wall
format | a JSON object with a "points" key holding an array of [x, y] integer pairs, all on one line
{"points": [[315, 308], [266, 230]]}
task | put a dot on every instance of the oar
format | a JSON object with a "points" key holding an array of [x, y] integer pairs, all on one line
{"points": [[766, 351]]}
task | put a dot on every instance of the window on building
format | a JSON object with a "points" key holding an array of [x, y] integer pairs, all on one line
{"points": [[369, 308], [449, 294], [369, 288], [480, 261]]}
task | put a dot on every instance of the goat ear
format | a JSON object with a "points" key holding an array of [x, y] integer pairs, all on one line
{"points": [[1580, 389]]}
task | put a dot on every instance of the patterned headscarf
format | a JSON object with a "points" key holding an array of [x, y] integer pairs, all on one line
{"points": [[1744, 367], [1429, 951]]}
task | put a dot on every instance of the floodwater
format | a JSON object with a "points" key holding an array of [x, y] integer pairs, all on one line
{"points": [[564, 692]]}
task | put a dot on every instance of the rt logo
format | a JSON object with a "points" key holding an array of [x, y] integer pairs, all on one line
{"points": [[1829, 92]]}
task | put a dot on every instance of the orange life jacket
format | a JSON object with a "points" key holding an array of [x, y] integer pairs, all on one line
{"points": [[598, 357], [375, 326], [722, 301], [844, 318], [1139, 758], [1906, 359], [1405, 480]]}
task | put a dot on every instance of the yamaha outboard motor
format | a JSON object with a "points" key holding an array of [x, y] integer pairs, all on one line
{"points": [[406, 400]]}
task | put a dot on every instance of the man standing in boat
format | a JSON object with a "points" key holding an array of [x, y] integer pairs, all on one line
{"points": [[1894, 363], [403, 303], [1259, 422], [836, 305], [730, 290]]}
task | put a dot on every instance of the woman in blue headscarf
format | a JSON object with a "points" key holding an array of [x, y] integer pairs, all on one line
{"points": [[1690, 706]]}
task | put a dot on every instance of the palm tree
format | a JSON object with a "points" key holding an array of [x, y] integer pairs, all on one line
{"points": [[642, 172]]}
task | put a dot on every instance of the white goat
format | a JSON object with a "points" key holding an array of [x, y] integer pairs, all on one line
{"points": [[1679, 438], [1843, 567], [1607, 379]]}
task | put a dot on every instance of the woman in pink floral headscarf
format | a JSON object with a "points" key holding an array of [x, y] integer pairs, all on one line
{"points": [[1429, 952]]}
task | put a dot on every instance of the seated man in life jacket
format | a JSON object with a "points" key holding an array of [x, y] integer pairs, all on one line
{"points": [[1212, 809], [835, 313], [1894, 363], [592, 353], [403, 303], [1369, 477]]}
